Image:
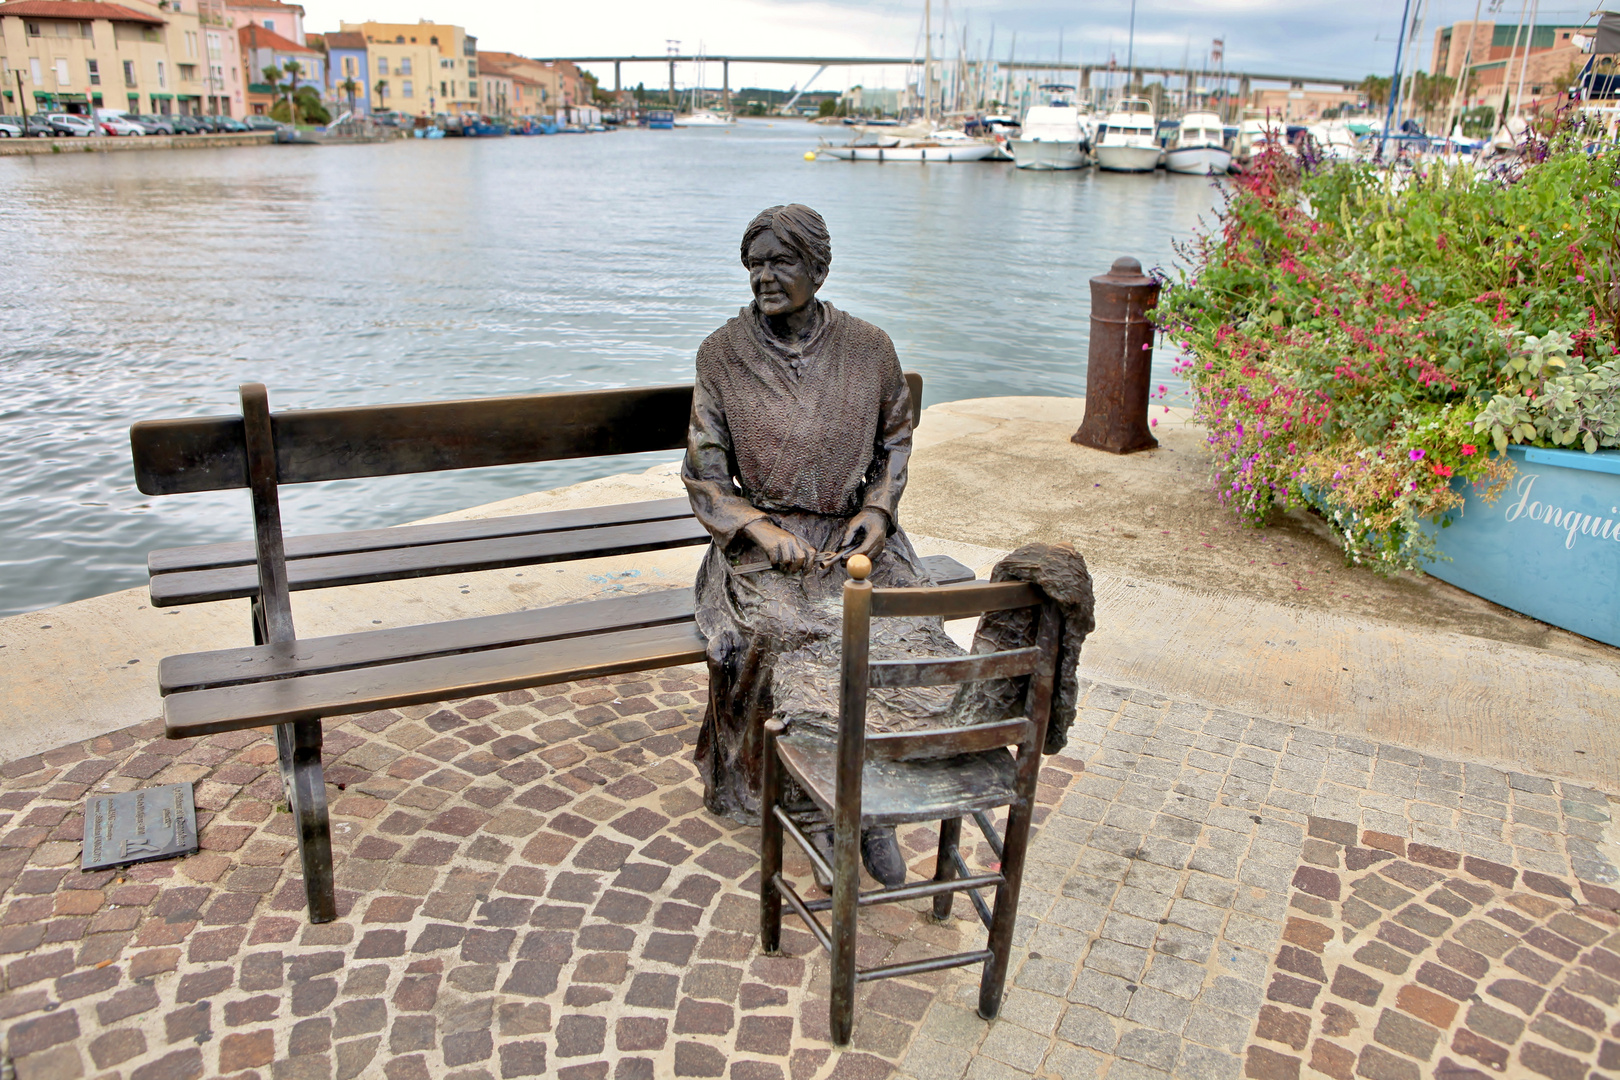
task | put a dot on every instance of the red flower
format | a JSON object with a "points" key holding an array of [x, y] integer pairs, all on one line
{"points": [[1468, 449], [1442, 470]]}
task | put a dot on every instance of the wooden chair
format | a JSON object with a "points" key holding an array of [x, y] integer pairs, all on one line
{"points": [[943, 775]]}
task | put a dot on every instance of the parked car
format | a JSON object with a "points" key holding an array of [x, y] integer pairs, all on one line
{"points": [[121, 125], [261, 123], [228, 123], [39, 127], [188, 125], [70, 124], [11, 127], [155, 125], [210, 124]]}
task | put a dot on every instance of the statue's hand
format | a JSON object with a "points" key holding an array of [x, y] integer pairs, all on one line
{"points": [[786, 551], [866, 534]]}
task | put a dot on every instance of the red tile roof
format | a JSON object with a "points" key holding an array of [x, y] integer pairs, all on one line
{"points": [[77, 9], [254, 36], [342, 40]]}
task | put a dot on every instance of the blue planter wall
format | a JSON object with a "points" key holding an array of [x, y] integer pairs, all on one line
{"points": [[1549, 547]]}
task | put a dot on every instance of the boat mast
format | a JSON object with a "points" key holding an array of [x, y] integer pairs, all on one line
{"points": [[1462, 72], [1130, 53], [928, 61]]}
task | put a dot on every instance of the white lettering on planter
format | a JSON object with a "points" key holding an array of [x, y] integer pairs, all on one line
{"points": [[1572, 523]]}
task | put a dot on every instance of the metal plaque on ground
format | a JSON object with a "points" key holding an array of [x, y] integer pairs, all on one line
{"points": [[139, 826]]}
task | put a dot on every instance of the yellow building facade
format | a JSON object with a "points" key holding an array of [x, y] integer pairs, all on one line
{"points": [[79, 55], [429, 67]]}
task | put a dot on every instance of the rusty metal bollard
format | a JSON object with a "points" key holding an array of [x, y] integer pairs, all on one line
{"points": [[1118, 364]]}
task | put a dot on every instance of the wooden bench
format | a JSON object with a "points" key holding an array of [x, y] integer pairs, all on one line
{"points": [[293, 683]]}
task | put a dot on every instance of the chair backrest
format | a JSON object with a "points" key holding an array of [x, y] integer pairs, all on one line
{"points": [[860, 674], [210, 453]]}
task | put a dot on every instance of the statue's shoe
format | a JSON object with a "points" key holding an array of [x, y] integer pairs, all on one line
{"points": [[880, 851]]}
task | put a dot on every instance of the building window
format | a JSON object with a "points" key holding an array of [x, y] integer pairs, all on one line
{"points": [[134, 103], [33, 29], [404, 65], [61, 71], [95, 72], [442, 91], [129, 73], [188, 72], [399, 39], [163, 76], [348, 67], [191, 43], [382, 65], [435, 41], [409, 88], [269, 24]]}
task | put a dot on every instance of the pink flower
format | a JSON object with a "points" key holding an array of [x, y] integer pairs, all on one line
{"points": [[1580, 277], [1468, 449], [1153, 423], [1416, 455]]}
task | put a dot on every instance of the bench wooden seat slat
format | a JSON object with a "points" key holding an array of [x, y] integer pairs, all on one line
{"points": [[392, 564], [439, 678], [241, 553], [311, 656]]}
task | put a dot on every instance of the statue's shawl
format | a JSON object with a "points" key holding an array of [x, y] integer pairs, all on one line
{"points": [[779, 398]]}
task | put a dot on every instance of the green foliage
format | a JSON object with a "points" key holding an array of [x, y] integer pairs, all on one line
{"points": [[1357, 339], [829, 107]]}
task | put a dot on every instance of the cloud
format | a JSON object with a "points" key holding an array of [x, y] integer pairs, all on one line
{"points": [[1336, 40]]}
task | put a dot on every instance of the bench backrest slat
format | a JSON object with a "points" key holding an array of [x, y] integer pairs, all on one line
{"points": [[207, 453]]}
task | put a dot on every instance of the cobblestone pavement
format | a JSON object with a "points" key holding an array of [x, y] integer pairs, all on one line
{"points": [[529, 886]]}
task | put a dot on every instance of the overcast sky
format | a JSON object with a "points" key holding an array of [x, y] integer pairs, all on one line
{"points": [[1332, 38]]}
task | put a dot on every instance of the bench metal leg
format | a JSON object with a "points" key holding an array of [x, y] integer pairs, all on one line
{"points": [[299, 744], [770, 846], [950, 835]]}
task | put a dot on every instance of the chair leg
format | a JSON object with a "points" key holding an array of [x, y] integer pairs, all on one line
{"points": [[1014, 845], [950, 836], [770, 847], [299, 744], [846, 886]]}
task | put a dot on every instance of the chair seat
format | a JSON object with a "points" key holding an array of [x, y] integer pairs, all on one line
{"points": [[896, 792]]}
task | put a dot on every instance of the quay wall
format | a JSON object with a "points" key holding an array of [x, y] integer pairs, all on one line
{"points": [[97, 143]]}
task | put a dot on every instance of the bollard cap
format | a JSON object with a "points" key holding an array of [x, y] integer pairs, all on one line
{"points": [[860, 567], [1127, 270]]}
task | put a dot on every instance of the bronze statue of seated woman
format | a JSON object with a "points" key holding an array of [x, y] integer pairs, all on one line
{"points": [[796, 460]]}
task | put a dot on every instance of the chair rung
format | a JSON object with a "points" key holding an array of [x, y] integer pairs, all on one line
{"points": [[978, 901], [988, 827], [920, 967], [915, 891], [810, 921], [792, 829]]}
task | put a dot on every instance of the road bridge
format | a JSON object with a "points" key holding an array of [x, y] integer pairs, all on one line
{"points": [[821, 63]]}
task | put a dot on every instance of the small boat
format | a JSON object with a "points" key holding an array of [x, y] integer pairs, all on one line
{"points": [[660, 119], [942, 146], [1127, 143], [1052, 136], [1333, 140], [704, 118], [1199, 146], [1255, 134]]}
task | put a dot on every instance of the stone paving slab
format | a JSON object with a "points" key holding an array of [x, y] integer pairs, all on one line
{"points": [[529, 886]]}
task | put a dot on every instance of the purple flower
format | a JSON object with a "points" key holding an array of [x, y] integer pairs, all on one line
{"points": [[1416, 455]]}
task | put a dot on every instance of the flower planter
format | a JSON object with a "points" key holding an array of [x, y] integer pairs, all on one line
{"points": [[1549, 547]]}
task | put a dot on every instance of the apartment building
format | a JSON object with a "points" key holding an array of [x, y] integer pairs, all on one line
{"points": [[425, 68], [348, 62], [263, 48], [284, 19], [1495, 53], [79, 55], [515, 85]]}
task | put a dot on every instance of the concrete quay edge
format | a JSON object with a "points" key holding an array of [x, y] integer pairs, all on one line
{"points": [[1412, 662], [101, 143]]}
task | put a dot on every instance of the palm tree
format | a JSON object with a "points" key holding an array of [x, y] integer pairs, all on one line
{"points": [[293, 69], [381, 90], [272, 77], [350, 88]]}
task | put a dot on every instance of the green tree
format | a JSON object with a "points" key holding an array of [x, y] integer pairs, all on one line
{"points": [[1376, 90], [829, 106], [381, 90], [349, 88]]}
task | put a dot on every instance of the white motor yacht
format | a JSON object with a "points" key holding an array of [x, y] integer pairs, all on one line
{"points": [[1334, 140], [1051, 136], [1128, 143], [705, 118], [943, 145], [1199, 146], [1256, 133]]}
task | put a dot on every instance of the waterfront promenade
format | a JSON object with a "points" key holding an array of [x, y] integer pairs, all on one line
{"points": [[1309, 823]]}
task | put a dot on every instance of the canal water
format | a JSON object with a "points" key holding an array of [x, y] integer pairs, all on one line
{"points": [[150, 284]]}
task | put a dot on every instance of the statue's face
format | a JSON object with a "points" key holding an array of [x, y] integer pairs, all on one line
{"points": [[781, 281]]}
